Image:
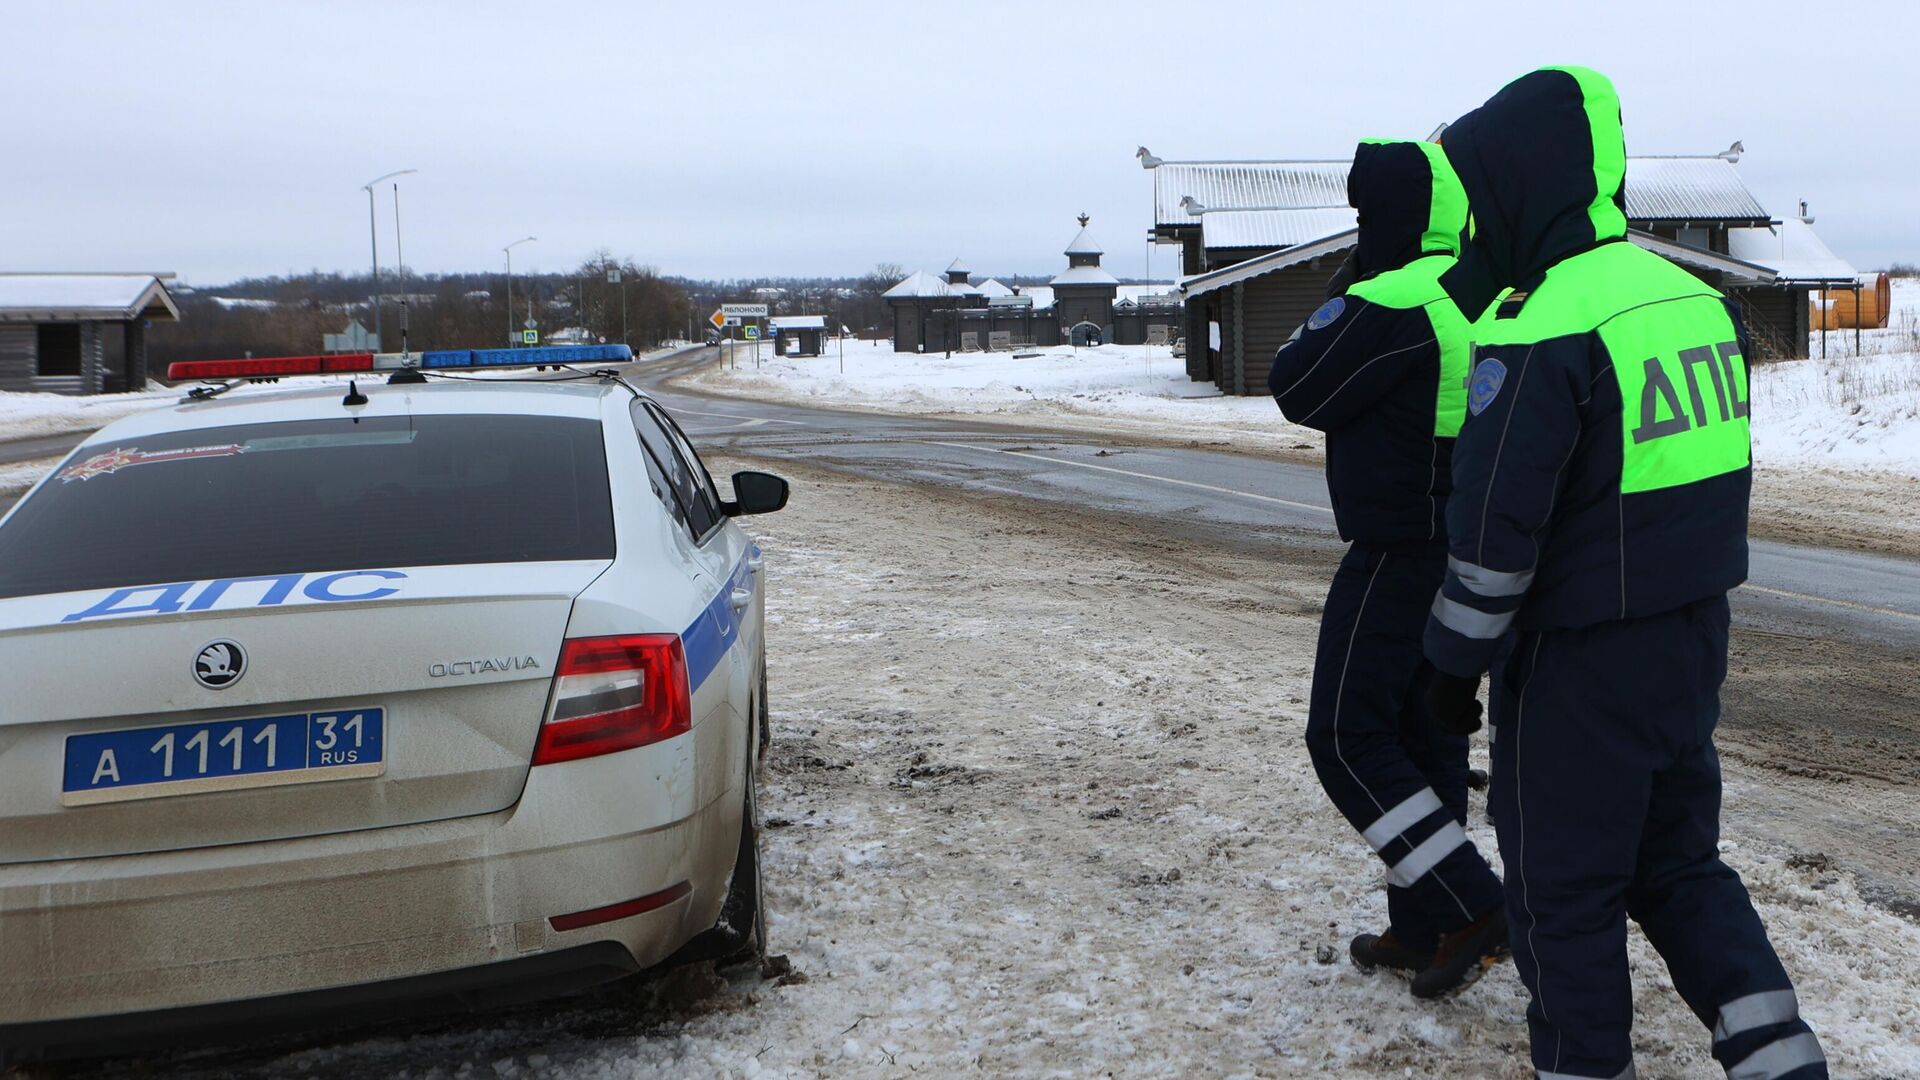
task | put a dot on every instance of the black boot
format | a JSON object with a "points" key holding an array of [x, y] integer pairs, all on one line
{"points": [[1463, 956], [1381, 950]]}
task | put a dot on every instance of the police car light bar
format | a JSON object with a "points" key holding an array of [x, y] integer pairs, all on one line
{"points": [[269, 367], [275, 367]]}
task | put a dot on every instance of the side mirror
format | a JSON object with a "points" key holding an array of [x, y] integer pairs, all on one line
{"points": [[755, 493]]}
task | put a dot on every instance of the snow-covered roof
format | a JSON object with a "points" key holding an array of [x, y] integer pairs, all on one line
{"points": [[1676, 188], [1273, 228], [1085, 244], [990, 287], [85, 297], [1042, 295], [1688, 189], [919, 283], [958, 267], [1266, 264], [1227, 184], [1084, 275], [798, 322], [1792, 250]]}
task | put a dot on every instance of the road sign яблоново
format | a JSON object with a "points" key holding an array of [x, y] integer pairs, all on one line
{"points": [[744, 311]]}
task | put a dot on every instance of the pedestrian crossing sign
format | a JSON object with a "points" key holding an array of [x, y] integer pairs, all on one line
{"points": [[529, 337]]}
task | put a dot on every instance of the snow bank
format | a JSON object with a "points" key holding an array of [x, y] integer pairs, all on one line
{"points": [[27, 416], [1129, 383]]}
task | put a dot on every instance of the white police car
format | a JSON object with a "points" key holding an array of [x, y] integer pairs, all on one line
{"points": [[326, 699]]}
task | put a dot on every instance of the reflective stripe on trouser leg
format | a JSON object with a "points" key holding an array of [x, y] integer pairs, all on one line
{"points": [[1427, 855], [1405, 816], [1365, 691], [1760, 1010], [1624, 1074], [1780, 1057]]}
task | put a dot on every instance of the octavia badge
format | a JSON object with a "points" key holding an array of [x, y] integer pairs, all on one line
{"points": [[219, 664]]}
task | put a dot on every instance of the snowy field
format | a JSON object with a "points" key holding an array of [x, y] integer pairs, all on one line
{"points": [[1141, 389], [30, 416], [1856, 409], [1058, 822], [1849, 412]]}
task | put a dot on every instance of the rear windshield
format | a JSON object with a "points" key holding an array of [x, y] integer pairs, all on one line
{"points": [[310, 495]]}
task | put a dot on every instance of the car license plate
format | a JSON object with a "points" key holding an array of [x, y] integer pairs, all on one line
{"points": [[222, 755]]}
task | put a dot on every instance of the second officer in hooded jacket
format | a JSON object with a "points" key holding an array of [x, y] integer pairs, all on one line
{"points": [[1382, 370], [1600, 510]]}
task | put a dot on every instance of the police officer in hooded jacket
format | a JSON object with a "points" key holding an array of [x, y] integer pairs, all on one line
{"points": [[1599, 508], [1381, 369]]}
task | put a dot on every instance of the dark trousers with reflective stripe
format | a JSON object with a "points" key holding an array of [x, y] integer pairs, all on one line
{"points": [[1389, 770], [1606, 797]]}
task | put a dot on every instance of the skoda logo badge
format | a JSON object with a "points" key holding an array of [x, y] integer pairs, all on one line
{"points": [[219, 664]]}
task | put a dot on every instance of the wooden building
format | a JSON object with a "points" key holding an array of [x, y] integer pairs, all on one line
{"points": [[948, 313], [79, 333], [1259, 241], [798, 335]]}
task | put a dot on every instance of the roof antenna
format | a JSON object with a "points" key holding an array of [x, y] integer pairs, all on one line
{"points": [[354, 396]]}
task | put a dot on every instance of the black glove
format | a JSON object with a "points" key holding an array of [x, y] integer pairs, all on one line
{"points": [[1454, 702]]}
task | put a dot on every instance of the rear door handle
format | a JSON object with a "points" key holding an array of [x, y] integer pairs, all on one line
{"points": [[740, 598]]}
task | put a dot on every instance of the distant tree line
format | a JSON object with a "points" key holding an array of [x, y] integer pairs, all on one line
{"points": [[281, 316]]}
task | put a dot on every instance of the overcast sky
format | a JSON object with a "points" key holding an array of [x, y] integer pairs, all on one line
{"points": [[744, 139]]}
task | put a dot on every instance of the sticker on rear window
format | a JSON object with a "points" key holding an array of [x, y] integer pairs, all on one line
{"points": [[126, 457]]}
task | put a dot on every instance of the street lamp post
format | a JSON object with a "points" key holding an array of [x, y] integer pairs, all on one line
{"points": [[373, 238], [511, 338]]}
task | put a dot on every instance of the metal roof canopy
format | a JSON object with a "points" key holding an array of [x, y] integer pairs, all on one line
{"points": [[798, 322], [1669, 189], [1273, 228], [1794, 252], [1744, 272], [85, 297], [1200, 284]]}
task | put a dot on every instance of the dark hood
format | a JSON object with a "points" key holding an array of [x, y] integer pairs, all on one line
{"points": [[1543, 163], [1410, 203]]}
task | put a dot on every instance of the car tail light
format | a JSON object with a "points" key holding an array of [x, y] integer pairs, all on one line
{"points": [[616, 693]]}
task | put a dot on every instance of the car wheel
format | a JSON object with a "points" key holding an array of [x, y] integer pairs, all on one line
{"points": [[740, 937]]}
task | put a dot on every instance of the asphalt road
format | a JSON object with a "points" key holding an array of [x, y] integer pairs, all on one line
{"points": [[1237, 499]]}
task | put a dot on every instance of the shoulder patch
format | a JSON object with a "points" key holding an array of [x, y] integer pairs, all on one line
{"points": [[1484, 385], [1327, 312]]}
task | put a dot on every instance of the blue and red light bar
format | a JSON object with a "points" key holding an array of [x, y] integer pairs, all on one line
{"points": [[276, 367]]}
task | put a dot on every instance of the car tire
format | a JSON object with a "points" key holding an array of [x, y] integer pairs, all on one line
{"points": [[740, 937]]}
